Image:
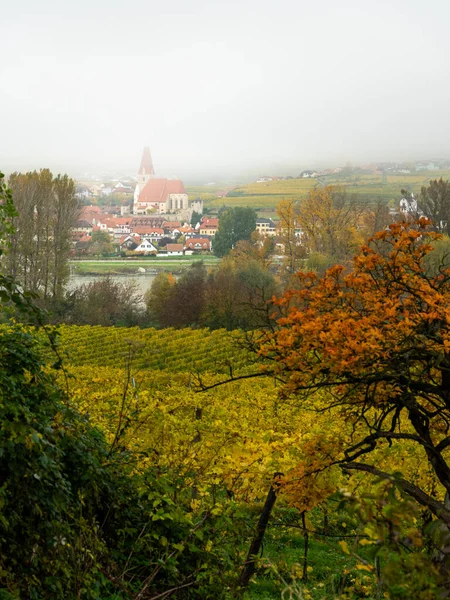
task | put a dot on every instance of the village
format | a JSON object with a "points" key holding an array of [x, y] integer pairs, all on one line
{"points": [[157, 219], [160, 222]]}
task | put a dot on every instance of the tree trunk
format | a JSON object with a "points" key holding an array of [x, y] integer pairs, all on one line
{"points": [[250, 563]]}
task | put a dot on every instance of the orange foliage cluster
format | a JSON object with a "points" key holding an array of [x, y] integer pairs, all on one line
{"points": [[375, 341]]}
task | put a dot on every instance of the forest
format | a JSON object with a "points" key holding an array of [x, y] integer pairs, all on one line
{"points": [[277, 427]]}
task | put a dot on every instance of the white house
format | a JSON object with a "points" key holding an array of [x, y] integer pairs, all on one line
{"points": [[146, 246]]}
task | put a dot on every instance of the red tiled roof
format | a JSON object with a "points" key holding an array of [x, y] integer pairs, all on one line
{"points": [[143, 230], [209, 222], [174, 247], [193, 243], [122, 190], [89, 213], [111, 222], [91, 209], [84, 238], [171, 225], [157, 190], [130, 236]]}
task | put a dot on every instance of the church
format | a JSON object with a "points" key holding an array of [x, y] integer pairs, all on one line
{"points": [[156, 195]]}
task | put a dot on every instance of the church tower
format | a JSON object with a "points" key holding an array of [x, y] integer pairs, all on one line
{"points": [[146, 172]]}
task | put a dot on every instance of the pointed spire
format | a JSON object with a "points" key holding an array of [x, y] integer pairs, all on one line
{"points": [[146, 167]]}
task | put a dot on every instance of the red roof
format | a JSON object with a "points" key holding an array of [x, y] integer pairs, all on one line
{"points": [[115, 222], [146, 163], [158, 190], [143, 230], [174, 247], [89, 213], [84, 238], [203, 243], [209, 222], [171, 225], [130, 236]]}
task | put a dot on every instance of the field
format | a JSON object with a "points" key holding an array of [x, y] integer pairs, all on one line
{"points": [[130, 266], [163, 365], [369, 186], [235, 436], [152, 349]]}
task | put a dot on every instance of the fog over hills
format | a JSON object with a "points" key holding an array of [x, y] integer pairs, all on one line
{"points": [[222, 90]]}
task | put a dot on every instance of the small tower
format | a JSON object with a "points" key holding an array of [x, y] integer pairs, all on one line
{"points": [[146, 172]]}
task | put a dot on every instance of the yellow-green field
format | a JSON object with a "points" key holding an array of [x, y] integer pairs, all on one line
{"points": [[264, 197]]}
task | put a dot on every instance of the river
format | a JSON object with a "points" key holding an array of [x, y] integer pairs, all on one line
{"points": [[143, 280]]}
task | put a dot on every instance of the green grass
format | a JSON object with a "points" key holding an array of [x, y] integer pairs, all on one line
{"points": [[326, 562], [331, 572], [85, 267]]}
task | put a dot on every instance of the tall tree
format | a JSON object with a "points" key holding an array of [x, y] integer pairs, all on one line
{"points": [[104, 302], [371, 347], [294, 251], [434, 201], [329, 219], [40, 245], [238, 295], [186, 302], [235, 224], [177, 303], [157, 298]]}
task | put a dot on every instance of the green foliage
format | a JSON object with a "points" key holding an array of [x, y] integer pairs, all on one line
{"points": [[79, 519], [177, 303], [101, 243], [238, 296], [434, 201], [196, 218], [7, 213], [235, 224], [103, 302], [157, 298], [39, 241]]}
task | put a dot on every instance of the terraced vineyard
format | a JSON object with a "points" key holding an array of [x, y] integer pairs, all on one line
{"points": [[186, 350], [370, 187]]}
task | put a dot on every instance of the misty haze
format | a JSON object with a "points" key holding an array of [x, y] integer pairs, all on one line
{"points": [[223, 88], [224, 300]]}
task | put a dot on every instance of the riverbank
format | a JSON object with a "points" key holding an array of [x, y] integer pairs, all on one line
{"points": [[133, 266]]}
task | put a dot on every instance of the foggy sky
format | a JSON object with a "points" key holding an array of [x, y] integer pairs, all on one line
{"points": [[216, 87]]}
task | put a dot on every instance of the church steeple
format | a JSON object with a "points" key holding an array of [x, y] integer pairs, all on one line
{"points": [[146, 170]]}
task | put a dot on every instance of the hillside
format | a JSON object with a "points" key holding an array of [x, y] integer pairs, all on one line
{"points": [[265, 196]]}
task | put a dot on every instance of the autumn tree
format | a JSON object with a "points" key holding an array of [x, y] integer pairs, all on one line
{"points": [[328, 217], [101, 243], [103, 302], [434, 201], [376, 217], [157, 298], [371, 347], [187, 299], [260, 250], [294, 251], [177, 303], [238, 295], [40, 243], [235, 224]]}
